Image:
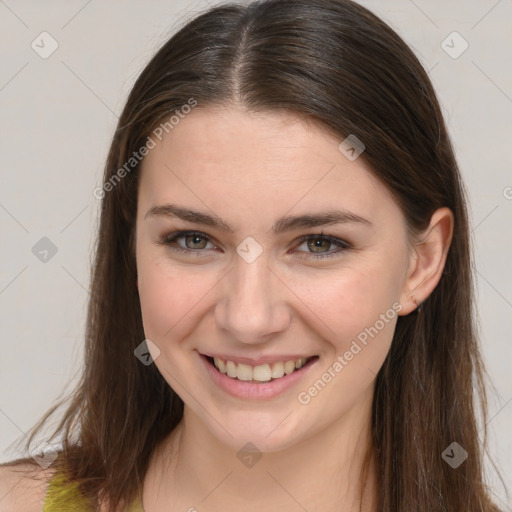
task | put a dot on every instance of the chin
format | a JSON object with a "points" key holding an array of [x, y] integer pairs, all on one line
{"points": [[266, 432]]}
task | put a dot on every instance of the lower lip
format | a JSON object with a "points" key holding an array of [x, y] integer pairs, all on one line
{"points": [[248, 389]]}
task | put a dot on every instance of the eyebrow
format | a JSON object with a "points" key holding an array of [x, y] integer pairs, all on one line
{"points": [[287, 223]]}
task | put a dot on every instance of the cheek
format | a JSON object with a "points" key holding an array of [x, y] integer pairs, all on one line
{"points": [[355, 305], [169, 297]]}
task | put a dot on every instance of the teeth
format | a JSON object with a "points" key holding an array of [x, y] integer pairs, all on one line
{"points": [[289, 366], [260, 373], [277, 370], [299, 363], [231, 369], [220, 364], [244, 371]]}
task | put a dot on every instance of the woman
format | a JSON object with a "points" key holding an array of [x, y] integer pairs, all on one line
{"points": [[281, 298]]}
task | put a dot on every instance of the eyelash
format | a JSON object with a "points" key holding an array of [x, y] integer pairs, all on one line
{"points": [[170, 241]]}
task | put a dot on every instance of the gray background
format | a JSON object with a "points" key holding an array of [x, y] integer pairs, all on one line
{"points": [[58, 115]]}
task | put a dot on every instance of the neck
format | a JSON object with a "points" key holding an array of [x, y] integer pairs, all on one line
{"points": [[194, 469]]}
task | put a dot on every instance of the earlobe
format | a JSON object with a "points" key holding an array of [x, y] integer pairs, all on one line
{"points": [[428, 261]]}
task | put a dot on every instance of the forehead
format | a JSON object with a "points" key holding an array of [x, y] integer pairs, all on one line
{"points": [[260, 141], [255, 162]]}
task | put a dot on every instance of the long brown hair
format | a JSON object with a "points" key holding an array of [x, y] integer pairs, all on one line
{"points": [[335, 63]]}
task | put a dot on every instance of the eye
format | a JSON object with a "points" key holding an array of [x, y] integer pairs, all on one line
{"points": [[196, 242], [187, 241], [320, 246]]}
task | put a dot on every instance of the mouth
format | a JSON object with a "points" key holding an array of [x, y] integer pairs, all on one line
{"points": [[260, 374]]}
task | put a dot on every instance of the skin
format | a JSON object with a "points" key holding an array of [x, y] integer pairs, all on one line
{"points": [[250, 170]]}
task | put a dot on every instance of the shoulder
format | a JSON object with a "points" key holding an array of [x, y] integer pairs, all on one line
{"points": [[23, 486]]}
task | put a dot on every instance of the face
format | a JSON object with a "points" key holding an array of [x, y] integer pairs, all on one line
{"points": [[270, 273]]}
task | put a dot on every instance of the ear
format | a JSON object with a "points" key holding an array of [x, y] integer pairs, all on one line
{"points": [[427, 260]]}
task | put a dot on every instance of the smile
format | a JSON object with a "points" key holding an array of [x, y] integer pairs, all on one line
{"points": [[259, 373], [264, 380]]}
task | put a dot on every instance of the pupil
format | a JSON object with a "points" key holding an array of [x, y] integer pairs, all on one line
{"points": [[196, 240], [318, 244]]}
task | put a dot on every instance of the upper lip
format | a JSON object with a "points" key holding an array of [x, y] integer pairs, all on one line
{"points": [[255, 361]]}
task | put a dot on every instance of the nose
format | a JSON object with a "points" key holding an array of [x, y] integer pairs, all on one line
{"points": [[252, 306]]}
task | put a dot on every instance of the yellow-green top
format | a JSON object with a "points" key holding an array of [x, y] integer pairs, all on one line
{"points": [[65, 496]]}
